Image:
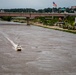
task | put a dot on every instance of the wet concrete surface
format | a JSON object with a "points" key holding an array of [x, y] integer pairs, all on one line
{"points": [[44, 51]]}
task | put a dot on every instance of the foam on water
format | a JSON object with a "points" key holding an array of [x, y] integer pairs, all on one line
{"points": [[5, 35], [14, 45]]}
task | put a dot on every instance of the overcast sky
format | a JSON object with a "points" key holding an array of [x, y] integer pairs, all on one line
{"points": [[36, 4]]}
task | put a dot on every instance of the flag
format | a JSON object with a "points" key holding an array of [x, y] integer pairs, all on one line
{"points": [[54, 4]]}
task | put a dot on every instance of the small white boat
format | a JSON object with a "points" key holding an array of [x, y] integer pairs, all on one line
{"points": [[19, 48]]}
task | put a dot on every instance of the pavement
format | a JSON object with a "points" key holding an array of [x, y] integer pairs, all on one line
{"points": [[44, 51]]}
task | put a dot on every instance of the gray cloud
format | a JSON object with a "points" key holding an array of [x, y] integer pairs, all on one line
{"points": [[37, 4]]}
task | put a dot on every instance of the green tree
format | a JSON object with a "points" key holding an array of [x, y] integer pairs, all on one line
{"points": [[7, 18]]}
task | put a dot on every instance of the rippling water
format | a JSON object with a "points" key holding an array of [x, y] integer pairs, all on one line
{"points": [[45, 51]]}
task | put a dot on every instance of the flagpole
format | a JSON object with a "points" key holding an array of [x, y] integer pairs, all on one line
{"points": [[52, 14], [55, 5]]}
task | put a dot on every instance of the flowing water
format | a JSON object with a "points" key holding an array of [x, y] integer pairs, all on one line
{"points": [[45, 51], [6, 36]]}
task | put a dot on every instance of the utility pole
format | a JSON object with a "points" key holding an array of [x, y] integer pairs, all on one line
{"points": [[52, 13]]}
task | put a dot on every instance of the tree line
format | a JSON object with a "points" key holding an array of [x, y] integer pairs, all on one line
{"points": [[45, 10]]}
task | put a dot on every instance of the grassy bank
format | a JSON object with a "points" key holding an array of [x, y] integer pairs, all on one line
{"points": [[55, 28]]}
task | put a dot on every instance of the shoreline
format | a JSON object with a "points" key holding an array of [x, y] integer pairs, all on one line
{"points": [[55, 28]]}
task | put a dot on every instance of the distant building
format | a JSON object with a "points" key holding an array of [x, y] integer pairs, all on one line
{"points": [[1, 10], [73, 7]]}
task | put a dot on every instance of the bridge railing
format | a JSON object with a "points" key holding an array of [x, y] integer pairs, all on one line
{"points": [[17, 14]]}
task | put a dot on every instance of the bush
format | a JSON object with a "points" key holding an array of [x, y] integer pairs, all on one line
{"points": [[70, 19], [7, 18]]}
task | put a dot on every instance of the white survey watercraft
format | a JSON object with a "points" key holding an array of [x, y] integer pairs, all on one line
{"points": [[19, 48]]}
